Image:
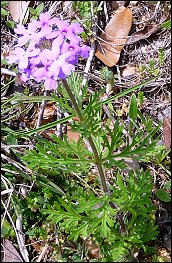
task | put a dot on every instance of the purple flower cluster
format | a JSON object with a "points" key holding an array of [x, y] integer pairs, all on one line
{"points": [[48, 50]]}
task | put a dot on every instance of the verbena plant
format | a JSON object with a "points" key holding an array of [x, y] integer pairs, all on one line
{"points": [[114, 215], [116, 212]]}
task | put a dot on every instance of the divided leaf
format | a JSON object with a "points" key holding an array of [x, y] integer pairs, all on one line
{"points": [[115, 37]]}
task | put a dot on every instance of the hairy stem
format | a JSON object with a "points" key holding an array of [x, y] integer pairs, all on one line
{"points": [[93, 147], [95, 152]]}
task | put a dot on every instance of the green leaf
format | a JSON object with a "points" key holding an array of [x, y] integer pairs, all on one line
{"points": [[121, 184], [167, 185], [39, 8], [53, 188], [4, 3], [32, 11], [163, 195], [42, 128], [4, 61], [7, 229], [133, 110], [11, 24], [166, 24], [4, 12]]}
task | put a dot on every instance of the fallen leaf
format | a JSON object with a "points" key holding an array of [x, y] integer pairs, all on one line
{"points": [[50, 113], [115, 37], [144, 33], [167, 131], [93, 248], [72, 135], [128, 71], [9, 253], [17, 10]]}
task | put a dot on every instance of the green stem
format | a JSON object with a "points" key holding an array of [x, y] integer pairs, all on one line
{"points": [[93, 147], [96, 155]]}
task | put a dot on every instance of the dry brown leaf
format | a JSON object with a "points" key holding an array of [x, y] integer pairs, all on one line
{"points": [[50, 113], [72, 135], [144, 33], [167, 131], [16, 9], [128, 71], [9, 253], [115, 37], [93, 248]]}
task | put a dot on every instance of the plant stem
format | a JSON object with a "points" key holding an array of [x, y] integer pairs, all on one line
{"points": [[96, 155], [93, 147]]}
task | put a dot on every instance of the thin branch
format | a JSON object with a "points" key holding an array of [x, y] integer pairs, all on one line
{"points": [[43, 252], [93, 46], [8, 72], [105, 11], [41, 111]]}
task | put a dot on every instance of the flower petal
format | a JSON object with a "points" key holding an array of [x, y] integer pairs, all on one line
{"points": [[23, 63], [46, 30], [39, 73], [54, 68], [50, 84], [67, 68], [20, 29], [44, 17]]}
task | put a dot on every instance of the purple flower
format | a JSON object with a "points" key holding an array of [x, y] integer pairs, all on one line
{"points": [[48, 50], [67, 32], [45, 23], [28, 34], [22, 57], [61, 66]]}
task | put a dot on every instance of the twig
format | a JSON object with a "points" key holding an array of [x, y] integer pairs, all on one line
{"points": [[16, 164], [9, 198], [8, 72], [24, 12], [44, 250], [54, 6], [21, 238], [118, 72], [93, 46], [105, 11], [41, 111]]}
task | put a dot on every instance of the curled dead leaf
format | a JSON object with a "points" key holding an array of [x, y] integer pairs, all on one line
{"points": [[114, 37], [144, 33]]}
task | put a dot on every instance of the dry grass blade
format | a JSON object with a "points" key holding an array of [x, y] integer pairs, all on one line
{"points": [[115, 37]]}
